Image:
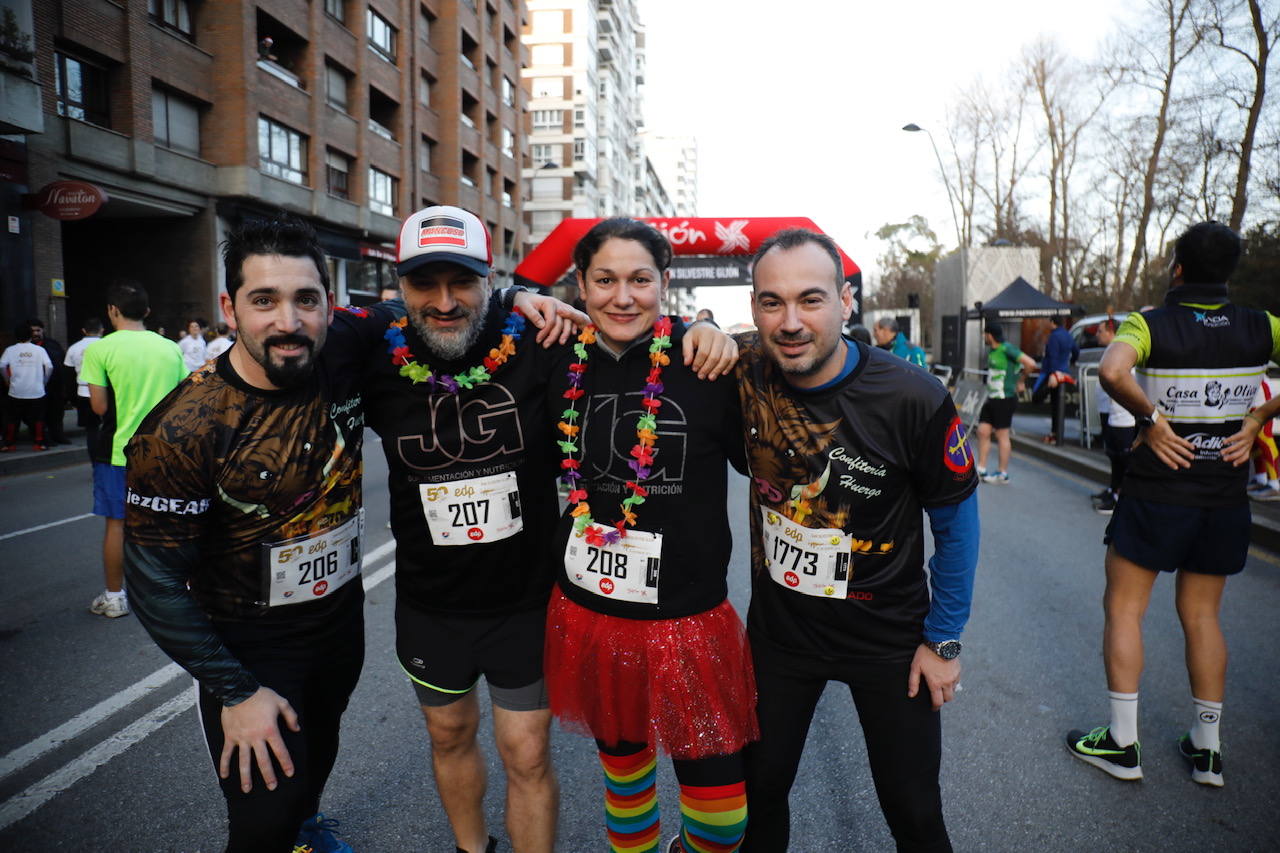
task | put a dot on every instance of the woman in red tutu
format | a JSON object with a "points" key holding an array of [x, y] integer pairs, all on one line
{"points": [[643, 650]]}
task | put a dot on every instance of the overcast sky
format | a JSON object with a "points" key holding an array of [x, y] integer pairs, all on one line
{"points": [[797, 105]]}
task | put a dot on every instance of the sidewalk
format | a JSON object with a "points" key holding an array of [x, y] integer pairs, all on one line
{"points": [[1091, 463], [24, 460]]}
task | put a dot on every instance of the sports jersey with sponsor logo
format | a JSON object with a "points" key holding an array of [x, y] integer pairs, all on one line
{"points": [[472, 474], [26, 368], [839, 478], [248, 475], [674, 559], [1200, 360]]}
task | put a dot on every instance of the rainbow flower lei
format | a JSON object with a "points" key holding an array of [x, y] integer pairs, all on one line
{"points": [[467, 379], [642, 453]]}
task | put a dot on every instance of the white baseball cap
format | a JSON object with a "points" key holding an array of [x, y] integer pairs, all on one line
{"points": [[444, 233]]}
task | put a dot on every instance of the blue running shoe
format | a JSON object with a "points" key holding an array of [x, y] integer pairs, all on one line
{"points": [[317, 836]]}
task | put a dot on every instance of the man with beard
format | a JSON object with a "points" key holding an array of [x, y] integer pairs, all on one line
{"points": [[243, 547], [457, 395], [846, 445]]}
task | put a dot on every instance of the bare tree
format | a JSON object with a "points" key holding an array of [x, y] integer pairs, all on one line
{"points": [[1150, 60], [1253, 42]]}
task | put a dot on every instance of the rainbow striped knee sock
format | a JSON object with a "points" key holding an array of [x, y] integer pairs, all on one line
{"points": [[714, 818], [631, 801]]}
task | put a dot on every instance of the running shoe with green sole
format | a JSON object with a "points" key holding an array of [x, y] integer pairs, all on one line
{"points": [[1206, 764], [1097, 748]]}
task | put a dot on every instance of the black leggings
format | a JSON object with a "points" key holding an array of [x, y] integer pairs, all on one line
{"points": [[318, 687], [903, 736]]}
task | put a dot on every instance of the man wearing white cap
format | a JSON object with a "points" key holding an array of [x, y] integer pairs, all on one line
{"points": [[457, 399]]}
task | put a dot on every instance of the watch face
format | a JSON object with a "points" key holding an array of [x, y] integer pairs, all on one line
{"points": [[948, 650]]}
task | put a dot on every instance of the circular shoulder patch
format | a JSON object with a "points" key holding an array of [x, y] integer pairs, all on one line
{"points": [[956, 454]]}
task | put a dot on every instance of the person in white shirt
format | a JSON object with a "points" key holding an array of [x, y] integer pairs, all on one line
{"points": [[85, 416], [26, 369], [221, 343], [194, 351]]}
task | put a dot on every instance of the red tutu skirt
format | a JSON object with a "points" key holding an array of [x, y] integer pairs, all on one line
{"points": [[685, 684]]}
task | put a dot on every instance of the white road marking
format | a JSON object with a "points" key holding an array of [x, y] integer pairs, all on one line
{"points": [[45, 526], [22, 804], [80, 723]]}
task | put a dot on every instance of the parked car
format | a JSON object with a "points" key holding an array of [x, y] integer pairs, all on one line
{"points": [[1085, 332]]}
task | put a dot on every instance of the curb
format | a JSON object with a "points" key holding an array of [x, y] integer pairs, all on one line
{"points": [[1265, 532], [28, 462]]}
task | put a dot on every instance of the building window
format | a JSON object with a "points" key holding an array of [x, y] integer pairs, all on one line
{"points": [[470, 168], [282, 151], [425, 21], [544, 154], [470, 51], [336, 9], [579, 149], [426, 83], [508, 92], [547, 54], [548, 119], [508, 197], [382, 192], [384, 114], [382, 36], [579, 118], [548, 87], [176, 122], [336, 83], [173, 14], [470, 109], [426, 151], [337, 167], [82, 90], [508, 142]]}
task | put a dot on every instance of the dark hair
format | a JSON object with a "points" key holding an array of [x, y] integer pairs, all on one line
{"points": [[222, 329], [1207, 252], [996, 331], [793, 238], [130, 298], [22, 332], [199, 321], [1057, 321], [283, 235], [36, 323], [622, 228], [861, 333], [92, 326]]}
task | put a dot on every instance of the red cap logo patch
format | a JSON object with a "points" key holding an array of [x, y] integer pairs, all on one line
{"points": [[442, 231]]}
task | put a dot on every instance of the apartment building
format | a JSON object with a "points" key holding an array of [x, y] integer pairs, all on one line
{"points": [[586, 66], [190, 116], [675, 160]]}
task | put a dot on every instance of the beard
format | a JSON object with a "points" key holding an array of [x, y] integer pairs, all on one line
{"points": [[289, 372], [451, 344]]}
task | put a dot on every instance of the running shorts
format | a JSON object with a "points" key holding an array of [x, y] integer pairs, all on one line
{"points": [[445, 655], [1167, 537]]}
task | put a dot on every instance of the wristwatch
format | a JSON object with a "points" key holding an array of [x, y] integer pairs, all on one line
{"points": [[1150, 419], [947, 649]]}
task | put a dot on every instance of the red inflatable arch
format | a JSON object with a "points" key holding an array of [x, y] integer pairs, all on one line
{"points": [[549, 260]]}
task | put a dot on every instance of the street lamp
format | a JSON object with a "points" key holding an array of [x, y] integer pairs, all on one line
{"points": [[964, 261], [915, 128]]}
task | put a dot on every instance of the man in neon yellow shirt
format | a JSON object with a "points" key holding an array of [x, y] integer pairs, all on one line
{"points": [[127, 372]]}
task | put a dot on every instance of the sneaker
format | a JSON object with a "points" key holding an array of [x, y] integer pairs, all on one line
{"points": [[316, 835], [1206, 764], [491, 847], [110, 606], [675, 846], [997, 477], [1255, 486], [8, 448], [1266, 494], [1097, 748], [1105, 506], [982, 473], [1100, 495]]}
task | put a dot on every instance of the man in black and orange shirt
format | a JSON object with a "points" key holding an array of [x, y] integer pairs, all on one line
{"points": [[243, 534]]}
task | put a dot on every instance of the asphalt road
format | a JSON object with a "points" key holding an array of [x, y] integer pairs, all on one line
{"points": [[100, 749]]}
